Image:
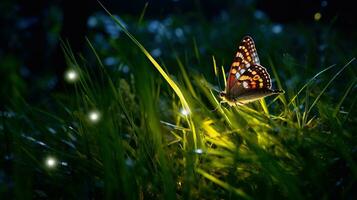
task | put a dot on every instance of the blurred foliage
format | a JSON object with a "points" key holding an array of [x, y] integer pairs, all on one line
{"points": [[300, 145]]}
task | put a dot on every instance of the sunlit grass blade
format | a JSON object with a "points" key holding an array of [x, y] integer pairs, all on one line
{"points": [[215, 66], [224, 75], [264, 106]]}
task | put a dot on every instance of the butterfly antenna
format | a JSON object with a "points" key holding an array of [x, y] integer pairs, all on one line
{"points": [[279, 91]]}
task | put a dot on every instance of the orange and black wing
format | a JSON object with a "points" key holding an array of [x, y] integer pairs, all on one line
{"points": [[245, 57], [254, 78], [247, 51]]}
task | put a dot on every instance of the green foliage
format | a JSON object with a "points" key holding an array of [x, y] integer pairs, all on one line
{"points": [[162, 134]]}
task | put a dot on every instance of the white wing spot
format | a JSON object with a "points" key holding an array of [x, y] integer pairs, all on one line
{"points": [[242, 71], [245, 84], [237, 75], [239, 54]]}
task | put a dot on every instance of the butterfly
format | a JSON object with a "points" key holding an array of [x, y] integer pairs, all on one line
{"points": [[247, 80]]}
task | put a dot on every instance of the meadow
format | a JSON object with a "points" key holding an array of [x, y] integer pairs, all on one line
{"points": [[140, 116]]}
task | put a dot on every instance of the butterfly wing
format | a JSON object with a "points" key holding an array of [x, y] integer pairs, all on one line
{"points": [[253, 84], [245, 57], [247, 80], [247, 51], [238, 67]]}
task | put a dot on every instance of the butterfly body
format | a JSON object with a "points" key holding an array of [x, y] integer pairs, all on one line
{"points": [[248, 97], [247, 80]]}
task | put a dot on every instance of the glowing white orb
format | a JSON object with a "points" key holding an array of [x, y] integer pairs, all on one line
{"points": [[51, 162], [71, 75], [94, 116]]}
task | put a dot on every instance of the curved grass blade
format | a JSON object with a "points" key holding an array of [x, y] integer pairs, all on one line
{"points": [[329, 83], [310, 81], [171, 82]]}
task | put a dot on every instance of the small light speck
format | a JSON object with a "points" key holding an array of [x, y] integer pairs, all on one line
{"points": [[156, 52], [258, 14], [125, 69], [184, 111], [317, 16], [51, 162], [94, 116], [179, 32], [277, 29], [199, 151], [92, 22], [110, 61], [129, 162], [71, 75], [323, 3]]}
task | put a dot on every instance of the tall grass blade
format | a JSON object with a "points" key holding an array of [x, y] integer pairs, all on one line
{"points": [[171, 82], [329, 83]]}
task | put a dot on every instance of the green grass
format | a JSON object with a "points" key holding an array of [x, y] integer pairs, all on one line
{"points": [[299, 145]]}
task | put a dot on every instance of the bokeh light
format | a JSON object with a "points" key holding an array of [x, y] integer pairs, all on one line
{"points": [[51, 162], [317, 16], [184, 111], [198, 151], [94, 116], [71, 75]]}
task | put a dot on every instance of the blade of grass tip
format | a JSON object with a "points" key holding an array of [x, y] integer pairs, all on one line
{"points": [[224, 185], [173, 85], [309, 82], [215, 66], [95, 53], [216, 71], [143, 13], [104, 70], [329, 83], [224, 75], [197, 52], [344, 97]]}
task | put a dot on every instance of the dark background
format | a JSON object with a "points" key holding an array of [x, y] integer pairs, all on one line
{"points": [[30, 32]]}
